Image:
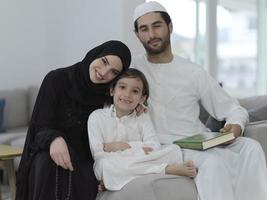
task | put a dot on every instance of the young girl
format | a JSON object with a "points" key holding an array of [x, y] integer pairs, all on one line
{"points": [[125, 145]]}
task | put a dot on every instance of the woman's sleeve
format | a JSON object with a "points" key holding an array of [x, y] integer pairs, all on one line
{"points": [[45, 137], [44, 119]]}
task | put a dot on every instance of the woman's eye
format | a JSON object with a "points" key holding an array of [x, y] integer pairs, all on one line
{"points": [[135, 91], [104, 61], [121, 87], [115, 73]]}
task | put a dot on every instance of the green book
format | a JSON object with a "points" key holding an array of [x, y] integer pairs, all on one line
{"points": [[204, 140]]}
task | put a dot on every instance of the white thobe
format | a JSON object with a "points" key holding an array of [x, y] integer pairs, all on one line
{"points": [[176, 89], [235, 172], [116, 169]]}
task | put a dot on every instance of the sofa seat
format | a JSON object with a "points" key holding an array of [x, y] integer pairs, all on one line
{"points": [[156, 187]]}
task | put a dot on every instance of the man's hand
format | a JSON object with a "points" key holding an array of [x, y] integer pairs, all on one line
{"points": [[116, 146], [60, 154], [233, 128]]}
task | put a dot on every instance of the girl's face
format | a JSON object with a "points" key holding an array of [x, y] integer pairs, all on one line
{"points": [[105, 69], [127, 94]]}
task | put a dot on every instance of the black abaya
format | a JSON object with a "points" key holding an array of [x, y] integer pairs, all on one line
{"points": [[65, 100]]}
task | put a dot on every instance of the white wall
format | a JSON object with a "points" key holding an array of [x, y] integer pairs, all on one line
{"points": [[37, 36], [128, 26]]}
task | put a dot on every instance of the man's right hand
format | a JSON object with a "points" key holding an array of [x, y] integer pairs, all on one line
{"points": [[60, 154]]}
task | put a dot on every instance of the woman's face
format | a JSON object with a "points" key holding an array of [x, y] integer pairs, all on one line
{"points": [[104, 69]]}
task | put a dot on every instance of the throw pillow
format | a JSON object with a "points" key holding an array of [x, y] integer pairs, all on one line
{"points": [[2, 106], [258, 114]]}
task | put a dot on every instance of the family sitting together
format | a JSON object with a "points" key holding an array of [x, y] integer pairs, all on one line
{"points": [[99, 124]]}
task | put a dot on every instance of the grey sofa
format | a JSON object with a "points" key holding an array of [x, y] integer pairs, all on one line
{"points": [[159, 187], [18, 108], [17, 111]]}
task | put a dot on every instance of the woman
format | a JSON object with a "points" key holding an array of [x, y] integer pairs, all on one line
{"points": [[56, 162]]}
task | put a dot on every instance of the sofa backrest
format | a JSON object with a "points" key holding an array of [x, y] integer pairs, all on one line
{"points": [[15, 111], [249, 103], [253, 102], [32, 94], [19, 105]]}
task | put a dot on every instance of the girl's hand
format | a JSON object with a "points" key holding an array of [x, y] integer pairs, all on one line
{"points": [[116, 146], [60, 154], [147, 150]]}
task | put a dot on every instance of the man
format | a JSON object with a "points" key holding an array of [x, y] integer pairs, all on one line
{"points": [[177, 86]]}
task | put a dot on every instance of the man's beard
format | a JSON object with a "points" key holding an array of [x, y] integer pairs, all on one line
{"points": [[165, 42]]}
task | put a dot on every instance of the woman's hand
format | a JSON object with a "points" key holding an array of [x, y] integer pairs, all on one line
{"points": [[141, 108], [60, 154], [101, 186], [116, 146]]}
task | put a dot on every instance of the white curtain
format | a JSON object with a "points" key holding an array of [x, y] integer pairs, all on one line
{"points": [[262, 47]]}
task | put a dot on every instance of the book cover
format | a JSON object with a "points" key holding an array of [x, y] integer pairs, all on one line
{"points": [[204, 140]]}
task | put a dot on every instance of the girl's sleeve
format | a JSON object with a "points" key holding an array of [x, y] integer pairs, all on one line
{"points": [[148, 133], [95, 135]]}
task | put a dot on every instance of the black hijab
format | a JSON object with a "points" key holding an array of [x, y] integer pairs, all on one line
{"points": [[66, 98], [81, 80]]}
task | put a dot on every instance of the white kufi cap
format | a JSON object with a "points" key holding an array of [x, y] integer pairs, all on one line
{"points": [[148, 7]]}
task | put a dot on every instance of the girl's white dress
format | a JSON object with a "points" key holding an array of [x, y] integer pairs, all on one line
{"points": [[116, 169]]}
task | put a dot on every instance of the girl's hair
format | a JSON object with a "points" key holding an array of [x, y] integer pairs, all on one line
{"points": [[132, 73]]}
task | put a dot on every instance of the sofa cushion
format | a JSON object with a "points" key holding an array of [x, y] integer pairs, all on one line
{"points": [[154, 186], [258, 114], [16, 112], [255, 114], [257, 130], [12, 134], [32, 94], [2, 106], [253, 102], [257, 110]]}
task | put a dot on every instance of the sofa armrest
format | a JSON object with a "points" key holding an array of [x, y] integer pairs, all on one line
{"points": [[258, 131]]}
